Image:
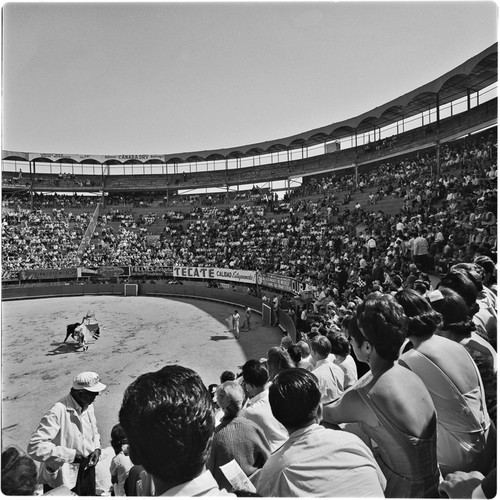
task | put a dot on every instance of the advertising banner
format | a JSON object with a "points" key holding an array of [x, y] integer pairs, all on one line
{"points": [[213, 273], [9, 275], [113, 271], [46, 274], [278, 282], [150, 271], [96, 158]]}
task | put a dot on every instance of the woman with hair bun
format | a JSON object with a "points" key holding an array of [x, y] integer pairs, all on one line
{"points": [[459, 327], [390, 403], [465, 431], [467, 284]]}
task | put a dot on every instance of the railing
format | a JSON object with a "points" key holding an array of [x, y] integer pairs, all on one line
{"points": [[424, 136]]}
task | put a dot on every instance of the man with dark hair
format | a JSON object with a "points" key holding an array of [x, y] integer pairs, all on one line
{"points": [[314, 461], [255, 381], [227, 375], [341, 348], [168, 418], [331, 377]]}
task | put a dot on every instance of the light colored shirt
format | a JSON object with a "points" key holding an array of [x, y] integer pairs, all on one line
{"points": [[120, 466], [420, 246], [306, 364], [330, 380], [319, 462], [63, 431], [350, 371], [259, 411], [201, 486]]}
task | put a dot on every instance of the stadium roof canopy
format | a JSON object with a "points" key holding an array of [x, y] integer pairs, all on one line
{"points": [[472, 76]]}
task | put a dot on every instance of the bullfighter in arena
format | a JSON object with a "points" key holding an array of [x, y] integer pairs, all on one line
{"points": [[82, 331]]}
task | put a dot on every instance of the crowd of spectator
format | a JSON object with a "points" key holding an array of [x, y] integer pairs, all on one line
{"points": [[322, 240], [41, 240], [411, 293]]}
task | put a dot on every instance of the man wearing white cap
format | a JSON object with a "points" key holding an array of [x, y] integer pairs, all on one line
{"points": [[67, 442]]}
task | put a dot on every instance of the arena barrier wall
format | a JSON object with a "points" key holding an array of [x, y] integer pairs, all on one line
{"points": [[202, 292], [286, 323], [154, 289], [38, 292]]}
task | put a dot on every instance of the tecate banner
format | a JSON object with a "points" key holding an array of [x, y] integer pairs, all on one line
{"points": [[214, 273]]}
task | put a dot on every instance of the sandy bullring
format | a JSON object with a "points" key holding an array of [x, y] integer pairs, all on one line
{"points": [[138, 334]]}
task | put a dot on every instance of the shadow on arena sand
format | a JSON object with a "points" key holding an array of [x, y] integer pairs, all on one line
{"points": [[138, 334]]}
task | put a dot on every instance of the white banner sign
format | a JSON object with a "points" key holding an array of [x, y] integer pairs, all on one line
{"points": [[213, 273], [97, 158]]}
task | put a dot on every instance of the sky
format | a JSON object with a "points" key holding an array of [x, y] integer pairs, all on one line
{"points": [[164, 77]]}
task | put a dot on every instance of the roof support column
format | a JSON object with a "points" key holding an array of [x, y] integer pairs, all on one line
{"points": [[102, 185], [356, 159], [438, 142], [32, 177], [227, 181]]}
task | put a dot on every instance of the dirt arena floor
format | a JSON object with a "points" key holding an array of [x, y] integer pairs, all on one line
{"points": [[138, 334]]}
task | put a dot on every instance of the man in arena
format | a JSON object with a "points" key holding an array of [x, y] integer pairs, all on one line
{"points": [[236, 323], [67, 442], [168, 418]]}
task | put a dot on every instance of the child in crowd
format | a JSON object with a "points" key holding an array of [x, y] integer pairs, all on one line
{"points": [[121, 463]]}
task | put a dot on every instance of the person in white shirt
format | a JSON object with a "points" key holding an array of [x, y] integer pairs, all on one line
{"points": [[255, 381], [306, 361], [322, 299], [120, 463], [236, 323], [330, 376], [314, 461], [341, 348], [67, 441]]}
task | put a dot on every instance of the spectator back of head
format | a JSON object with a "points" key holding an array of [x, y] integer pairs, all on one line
{"points": [[168, 418], [321, 346], [227, 375], [19, 473], [340, 345], [458, 280], [294, 397], [255, 373], [230, 397], [423, 320], [383, 323]]}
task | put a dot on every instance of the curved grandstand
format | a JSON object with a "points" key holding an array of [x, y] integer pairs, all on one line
{"points": [[460, 102]]}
